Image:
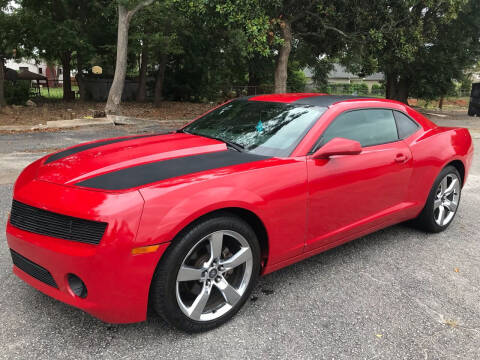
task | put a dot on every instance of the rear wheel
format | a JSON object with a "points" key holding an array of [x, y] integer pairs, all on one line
{"points": [[442, 202], [472, 111], [207, 274]]}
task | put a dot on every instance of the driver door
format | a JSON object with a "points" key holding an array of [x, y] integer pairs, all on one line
{"points": [[349, 194]]}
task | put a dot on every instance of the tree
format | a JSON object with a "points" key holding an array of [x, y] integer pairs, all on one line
{"points": [[287, 22], [51, 32], [126, 11], [8, 41], [207, 54], [457, 48], [417, 44], [156, 29], [95, 20]]}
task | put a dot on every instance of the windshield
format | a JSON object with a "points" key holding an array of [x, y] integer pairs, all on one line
{"points": [[264, 128]]}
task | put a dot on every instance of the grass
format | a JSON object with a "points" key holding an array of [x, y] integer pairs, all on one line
{"points": [[55, 92]]}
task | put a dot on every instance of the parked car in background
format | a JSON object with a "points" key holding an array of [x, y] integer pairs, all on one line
{"points": [[474, 106], [186, 222]]}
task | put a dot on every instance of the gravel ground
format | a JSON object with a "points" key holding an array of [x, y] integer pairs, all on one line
{"points": [[395, 294]]}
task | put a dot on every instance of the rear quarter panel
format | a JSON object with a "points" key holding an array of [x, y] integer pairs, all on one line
{"points": [[432, 151]]}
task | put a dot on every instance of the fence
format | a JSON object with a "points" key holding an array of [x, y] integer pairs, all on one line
{"points": [[55, 91]]}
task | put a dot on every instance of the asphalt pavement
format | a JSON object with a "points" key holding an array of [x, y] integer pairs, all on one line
{"points": [[395, 294]]}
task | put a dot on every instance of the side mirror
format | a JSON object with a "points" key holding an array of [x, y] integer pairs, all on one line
{"points": [[338, 146]]}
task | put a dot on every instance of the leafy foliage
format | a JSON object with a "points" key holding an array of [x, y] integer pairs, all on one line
{"points": [[17, 92], [420, 46], [209, 48]]}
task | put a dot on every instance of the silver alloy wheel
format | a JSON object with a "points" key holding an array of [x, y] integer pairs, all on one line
{"points": [[446, 199], [217, 270]]}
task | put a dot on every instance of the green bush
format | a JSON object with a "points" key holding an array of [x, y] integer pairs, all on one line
{"points": [[359, 89], [17, 92], [296, 81], [378, 89]]}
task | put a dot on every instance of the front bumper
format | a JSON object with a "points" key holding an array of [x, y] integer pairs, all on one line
{"points": [[118, 282]]}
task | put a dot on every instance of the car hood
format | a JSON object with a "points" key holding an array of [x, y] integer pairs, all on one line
{"points": [[76, 164]]}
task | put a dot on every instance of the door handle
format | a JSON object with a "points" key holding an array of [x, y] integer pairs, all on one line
{"points": [[401, 158]]}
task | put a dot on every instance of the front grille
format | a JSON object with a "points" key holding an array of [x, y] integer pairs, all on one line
{"points": [[39, 221], [33, 269]]}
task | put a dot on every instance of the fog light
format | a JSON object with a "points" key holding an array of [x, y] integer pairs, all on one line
{"points": [[77, 286]]}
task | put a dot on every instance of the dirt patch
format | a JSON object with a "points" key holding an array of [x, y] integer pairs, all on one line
{"points": [[47, 111], [449, 103]]}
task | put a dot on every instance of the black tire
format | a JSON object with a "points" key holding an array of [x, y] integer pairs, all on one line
{"points": [[426, 220], [471, 110], [163, 288]]}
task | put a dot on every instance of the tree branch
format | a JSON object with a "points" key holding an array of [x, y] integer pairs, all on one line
{"points": [[139, 6], [302, 13], [333, 28], [328, 27]]}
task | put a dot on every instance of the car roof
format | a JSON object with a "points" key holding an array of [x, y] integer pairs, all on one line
{"points": [[314, 99]]}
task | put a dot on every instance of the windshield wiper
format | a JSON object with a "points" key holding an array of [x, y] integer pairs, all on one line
{"points": [[230, 144]]}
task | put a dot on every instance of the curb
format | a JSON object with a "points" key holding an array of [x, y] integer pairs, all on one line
{"points": [[65, 124], [61, 124], [57, 124], [127, 120]]}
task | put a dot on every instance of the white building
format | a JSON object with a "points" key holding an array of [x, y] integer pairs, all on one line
{"points": [[52, 72], [340, 75]]}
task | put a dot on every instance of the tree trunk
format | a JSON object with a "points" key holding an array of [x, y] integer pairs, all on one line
{"points": [[282, 59], [2, 81], [253, 81], [142, 79], [79, 77], [116, 91], [81, 86], [396, 87], [67, 83], [402, 90], [159, 81], [389, 84], [440, 103]]}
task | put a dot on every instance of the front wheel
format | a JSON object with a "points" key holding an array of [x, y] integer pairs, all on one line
{"points": [[442, 202], [207, 274]]}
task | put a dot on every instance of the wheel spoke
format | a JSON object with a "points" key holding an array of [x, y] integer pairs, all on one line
{"points": [[188, 273], [196, 310], [437, 203], [216, 242], [451, 188], [443, 185], [451, 206], [239, 258], [229, 293], [441, 215]]}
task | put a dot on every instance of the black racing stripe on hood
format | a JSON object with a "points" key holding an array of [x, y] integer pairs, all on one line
{"points": [[77, 149], [161, 170]]}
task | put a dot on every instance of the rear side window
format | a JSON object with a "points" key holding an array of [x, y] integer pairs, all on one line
{"points": [[368, 127], [405, 125]]}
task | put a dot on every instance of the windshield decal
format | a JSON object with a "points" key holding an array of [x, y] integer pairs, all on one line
{"points": [[259, 126]]}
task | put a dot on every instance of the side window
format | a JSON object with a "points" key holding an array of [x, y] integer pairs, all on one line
{"points": [[405, 125], [368, 127]]}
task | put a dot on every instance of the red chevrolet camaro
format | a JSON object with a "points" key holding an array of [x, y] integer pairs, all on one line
{"points": [[187, 221]]}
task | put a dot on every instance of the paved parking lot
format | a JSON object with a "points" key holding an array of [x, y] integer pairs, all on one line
{"points": [[395, 294]]}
